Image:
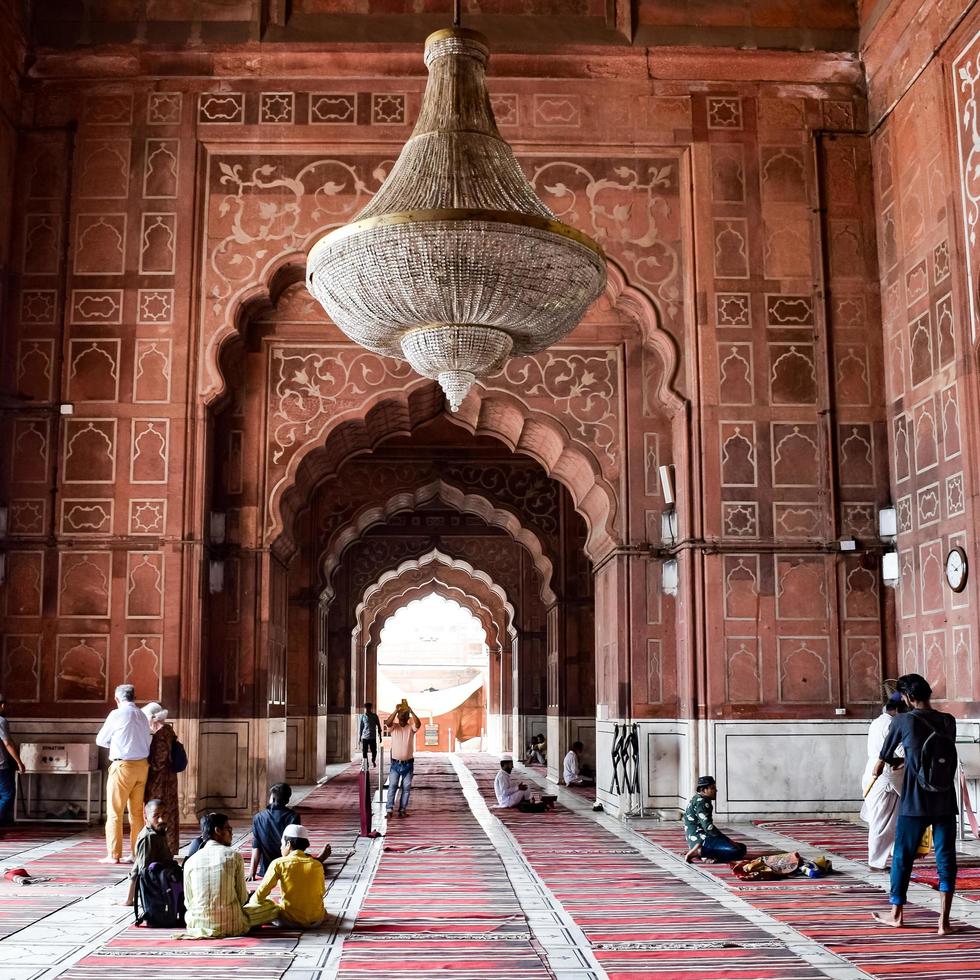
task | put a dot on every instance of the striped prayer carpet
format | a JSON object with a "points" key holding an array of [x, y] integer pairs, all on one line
{"points": [[330, 813], [440, 903], [836, 912], [843, 837], [850, 840], [23, 837], [74, 872], [642, 922]]}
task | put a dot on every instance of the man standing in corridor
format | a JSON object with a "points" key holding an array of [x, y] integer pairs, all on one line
{"points": [[126, 734], [369, 728], [403, 723]]}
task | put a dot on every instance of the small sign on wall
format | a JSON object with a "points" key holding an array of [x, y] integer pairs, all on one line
{"points": [[431, 734]]}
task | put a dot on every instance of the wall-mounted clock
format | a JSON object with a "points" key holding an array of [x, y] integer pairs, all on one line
{"points": [[957, 569]]}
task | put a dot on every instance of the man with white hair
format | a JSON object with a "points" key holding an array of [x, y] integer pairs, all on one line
{"points": [[509, 793], [126, 734], [301, 881]]}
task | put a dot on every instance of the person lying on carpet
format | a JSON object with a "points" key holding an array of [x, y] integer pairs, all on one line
{"points": [[511, 794], [572, 771], [151, 846], [301, 881], [214, 887], [706, 840], [928, 795]]}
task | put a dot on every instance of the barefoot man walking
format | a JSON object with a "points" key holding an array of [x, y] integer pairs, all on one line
{"points": [[928, 795]]}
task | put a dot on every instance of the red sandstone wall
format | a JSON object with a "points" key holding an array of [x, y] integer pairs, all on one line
{"points": [[923, 138], [186, 194], [12, 49]]}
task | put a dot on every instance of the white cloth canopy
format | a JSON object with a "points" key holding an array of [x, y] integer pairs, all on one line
{"points": [[431, 703]]}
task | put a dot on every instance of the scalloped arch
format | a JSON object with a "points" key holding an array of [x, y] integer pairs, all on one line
{"points": [[398, 410], [399, 592], [467, 503], [390, 412], [433, 558]]}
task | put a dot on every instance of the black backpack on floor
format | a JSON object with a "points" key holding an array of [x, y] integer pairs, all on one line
{"points": [[160, 896]]}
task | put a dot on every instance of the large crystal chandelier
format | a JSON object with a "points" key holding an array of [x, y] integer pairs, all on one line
{"points": [[456, 264]]}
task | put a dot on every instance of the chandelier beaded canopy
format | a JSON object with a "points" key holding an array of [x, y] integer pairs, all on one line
{"points": [[456, 264]]}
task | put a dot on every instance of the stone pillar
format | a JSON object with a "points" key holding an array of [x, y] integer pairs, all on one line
{"points": [[494, 716], [612, 663], [507, 662]]}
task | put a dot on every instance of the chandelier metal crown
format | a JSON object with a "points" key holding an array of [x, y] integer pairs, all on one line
{"points": [[456, 264]]}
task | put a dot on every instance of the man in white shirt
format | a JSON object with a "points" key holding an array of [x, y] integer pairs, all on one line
{"points": [[126, 734], [10, 764], [509, 792], [572, 767]]}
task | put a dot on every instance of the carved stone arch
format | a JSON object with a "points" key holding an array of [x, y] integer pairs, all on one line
{"points": [[419, 572], [453, 584], [395, 401], [434, 558], [397, 595], [467, 503], [254, 302], [400, 406], [639, 307]]}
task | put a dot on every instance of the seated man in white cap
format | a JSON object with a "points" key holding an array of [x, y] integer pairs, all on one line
{"points": [[512, 794], [301, 882]]}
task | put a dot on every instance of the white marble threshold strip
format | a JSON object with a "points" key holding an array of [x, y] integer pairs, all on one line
{"points": [[318, 953], [817, 956], [568, 952]]}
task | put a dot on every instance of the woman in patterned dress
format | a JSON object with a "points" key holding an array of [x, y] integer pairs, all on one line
{"points": [[161, 780]]}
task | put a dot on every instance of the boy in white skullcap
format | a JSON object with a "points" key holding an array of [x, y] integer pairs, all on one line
{"points": [[300, 879]]}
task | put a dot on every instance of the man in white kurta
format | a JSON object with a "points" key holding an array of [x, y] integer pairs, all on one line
{"points": [[509, 792], [880, 809], [572, 767]]}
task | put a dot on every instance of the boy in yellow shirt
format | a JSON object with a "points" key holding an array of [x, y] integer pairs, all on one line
{"points": [[301, 881]]}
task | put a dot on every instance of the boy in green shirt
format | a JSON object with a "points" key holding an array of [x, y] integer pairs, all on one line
{"points": [[705, 840]]}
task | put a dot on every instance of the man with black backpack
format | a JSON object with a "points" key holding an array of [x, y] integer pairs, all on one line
{"points": [[928, 795], [156, 887]]}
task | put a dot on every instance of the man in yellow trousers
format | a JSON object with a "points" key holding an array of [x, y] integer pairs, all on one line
{"points": [[126, 734]]}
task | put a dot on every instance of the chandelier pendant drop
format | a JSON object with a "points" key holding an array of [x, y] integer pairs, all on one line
{"points": [[456, 264]]}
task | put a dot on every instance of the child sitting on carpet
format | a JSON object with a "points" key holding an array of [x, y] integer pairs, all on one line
{"points": [[301, 881], [707, 842]]}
